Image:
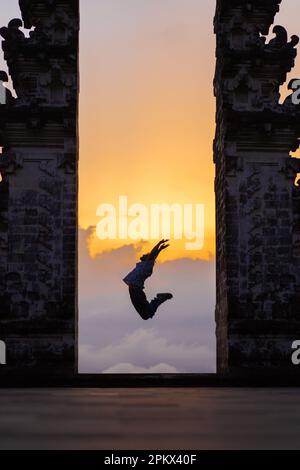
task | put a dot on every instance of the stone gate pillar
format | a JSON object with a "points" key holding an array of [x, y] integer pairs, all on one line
{"points": [[38, 192], [257, 202]]}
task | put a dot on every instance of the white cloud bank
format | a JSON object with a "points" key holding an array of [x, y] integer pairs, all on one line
{"points": [[127, 368], [157, 353], [112, 336]]}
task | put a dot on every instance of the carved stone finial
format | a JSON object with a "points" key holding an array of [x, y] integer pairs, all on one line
{"points": [[281, 37], [12, 31]]}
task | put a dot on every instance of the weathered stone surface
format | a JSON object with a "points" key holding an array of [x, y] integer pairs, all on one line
{"points": [[151, 418], [257, 202], [38, 193]]}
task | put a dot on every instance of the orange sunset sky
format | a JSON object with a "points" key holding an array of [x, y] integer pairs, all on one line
{"points": [[147, 110]]}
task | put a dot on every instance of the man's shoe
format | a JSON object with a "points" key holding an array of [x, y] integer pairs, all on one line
{"points": [[164, 296]]}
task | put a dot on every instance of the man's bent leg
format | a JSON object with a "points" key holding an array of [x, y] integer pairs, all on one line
{"points": [[140, 303]]}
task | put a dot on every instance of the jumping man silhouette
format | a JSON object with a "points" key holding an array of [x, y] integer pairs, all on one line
{"points": [[135, 281]]}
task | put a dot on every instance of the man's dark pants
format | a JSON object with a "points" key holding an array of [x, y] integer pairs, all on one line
{"points": [[139, 300]]}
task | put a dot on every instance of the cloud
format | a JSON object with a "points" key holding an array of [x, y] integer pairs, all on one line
{"points": [[98, 248], [127, 368], [182, 333], [151, 350]]}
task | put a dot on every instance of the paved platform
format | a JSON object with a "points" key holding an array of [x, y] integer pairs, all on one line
{"points": [[150, 418]]}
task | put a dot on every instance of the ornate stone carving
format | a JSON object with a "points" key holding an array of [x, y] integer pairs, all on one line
{"points": [[257, 202], [38, 319]]}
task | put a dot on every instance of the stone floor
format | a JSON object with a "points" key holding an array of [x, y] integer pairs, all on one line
{"points": [[160, 418]]}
